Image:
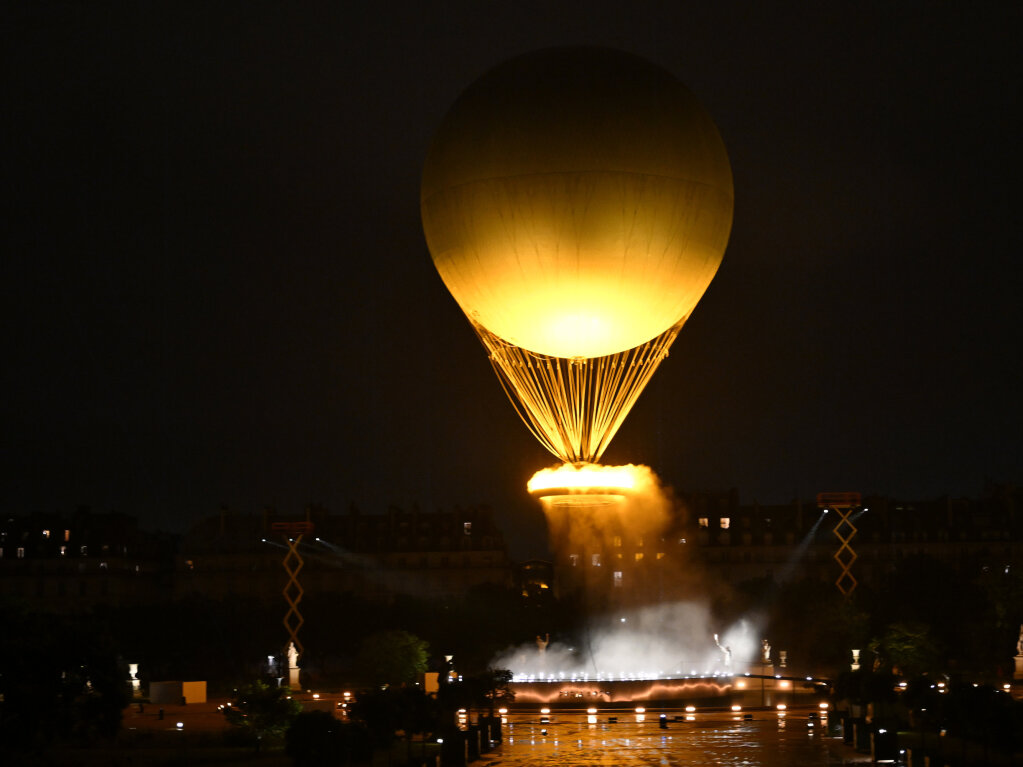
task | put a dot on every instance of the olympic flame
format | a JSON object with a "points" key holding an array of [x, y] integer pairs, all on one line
{"points": [[581, 477]]}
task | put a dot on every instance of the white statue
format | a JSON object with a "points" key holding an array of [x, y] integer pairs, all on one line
{"points": [[1019, 642], [765, 650], [726, 651], [542, 642], [133, 675], [293, 682]]}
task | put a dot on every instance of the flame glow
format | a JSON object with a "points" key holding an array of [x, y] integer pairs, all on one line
{"points": [[584, 477]]}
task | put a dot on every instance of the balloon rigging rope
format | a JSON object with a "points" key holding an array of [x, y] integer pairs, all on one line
{"points": [[574, 407]]}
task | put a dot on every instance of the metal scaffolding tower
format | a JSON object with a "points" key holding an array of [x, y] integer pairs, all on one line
{"points": [[843, 504], [293, 562]]}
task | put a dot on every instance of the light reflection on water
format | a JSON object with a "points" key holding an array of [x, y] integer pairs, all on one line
{"points": [[764, 742]]}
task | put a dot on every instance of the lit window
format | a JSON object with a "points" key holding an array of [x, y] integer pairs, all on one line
{"points": [[467, 528], [595, 560], [67, 535], [102, 565], [21, 552], [574, 559], [704, 522], [618, 579], [189, 564], [618, 541], [63, 551], [725, 522], [1, 553], [639, 556], [46, 533], [639, 541], [660, 555]]}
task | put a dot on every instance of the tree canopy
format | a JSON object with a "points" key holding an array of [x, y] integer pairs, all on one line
{"points": [[393, 658]]}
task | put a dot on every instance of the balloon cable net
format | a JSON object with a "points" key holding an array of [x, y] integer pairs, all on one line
{"points": [[575, 406]]}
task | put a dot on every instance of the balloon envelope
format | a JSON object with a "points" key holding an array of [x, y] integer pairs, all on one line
{"points": [[577, 201]]}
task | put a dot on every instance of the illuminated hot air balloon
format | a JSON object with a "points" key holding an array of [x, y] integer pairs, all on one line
{"points": [[577, 203]]}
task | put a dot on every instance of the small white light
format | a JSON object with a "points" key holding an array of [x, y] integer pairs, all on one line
{"points": [[736, 707], [690, 709], [781, 707], [640, 710], [181, 725]]}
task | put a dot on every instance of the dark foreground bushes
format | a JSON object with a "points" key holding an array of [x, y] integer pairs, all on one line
{"points": [[317, 739]]}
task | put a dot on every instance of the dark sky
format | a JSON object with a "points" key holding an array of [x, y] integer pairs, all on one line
{"points": [[217, 290]]}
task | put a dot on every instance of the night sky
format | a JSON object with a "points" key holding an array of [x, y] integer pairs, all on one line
{"points": [[217, 290]]}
